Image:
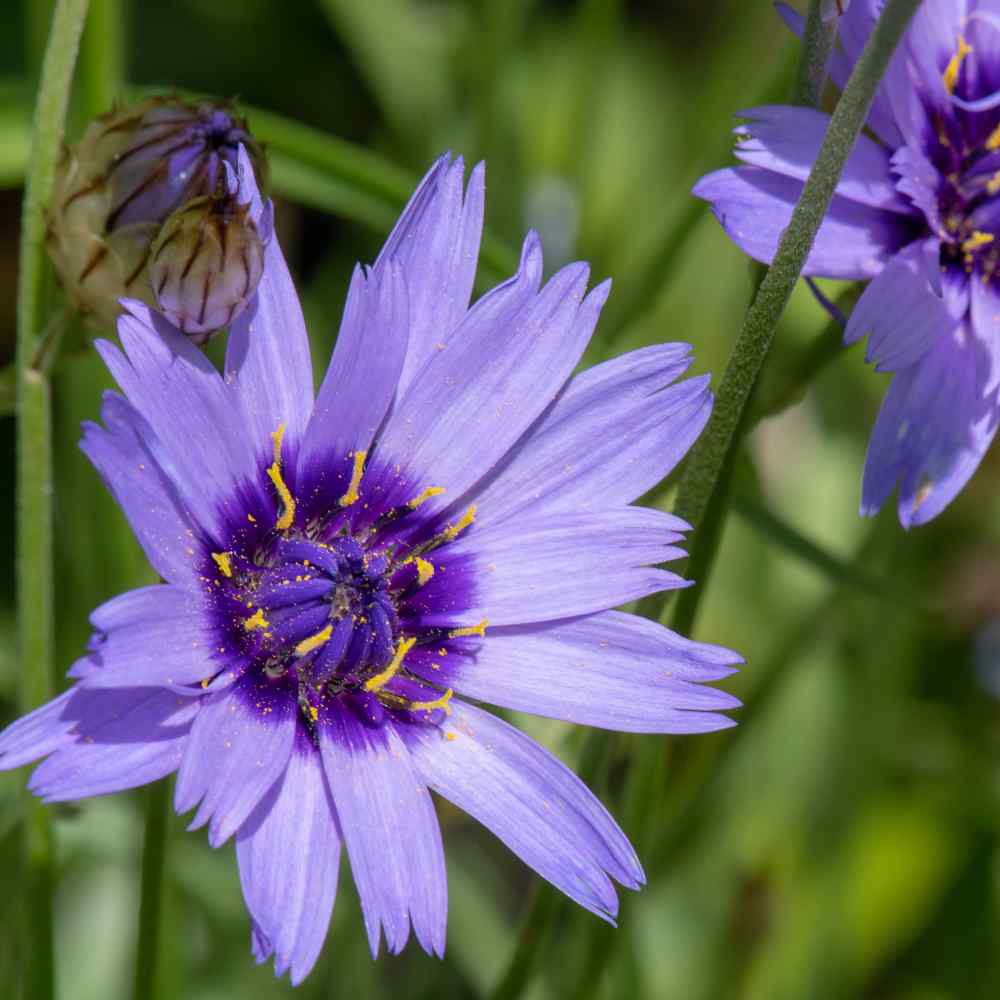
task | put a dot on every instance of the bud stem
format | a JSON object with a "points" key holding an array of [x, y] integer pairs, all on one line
{"points": [[34, 570]]}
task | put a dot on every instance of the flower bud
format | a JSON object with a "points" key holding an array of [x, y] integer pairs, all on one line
{"points": [[116, 186], [205, 265]]}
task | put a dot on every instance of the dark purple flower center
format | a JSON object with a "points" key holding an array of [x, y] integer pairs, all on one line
{"points": [[330, 591], [963, 148]]}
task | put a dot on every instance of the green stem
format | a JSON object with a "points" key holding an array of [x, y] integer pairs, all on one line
{"points": [[153, 854], [703, 474], [35, 580]]}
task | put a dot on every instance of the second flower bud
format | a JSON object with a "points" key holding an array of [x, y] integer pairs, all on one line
{"points": [[205, 265]]}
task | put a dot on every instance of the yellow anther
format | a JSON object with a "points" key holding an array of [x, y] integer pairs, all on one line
{"points": [[976, 240], [313, 712], [993, 142], [424, 495], [950, 76], [379, 681], [480, 630], [313, 642], [284, 493], [351, 496], [453, 530], [277, 437], [425, 571], [993, 184], [429, 706], [222, 561], [251, 519], [256, 620]]}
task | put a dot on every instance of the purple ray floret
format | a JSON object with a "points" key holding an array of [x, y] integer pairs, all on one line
{"points": [[450, 518], [917, 211]]}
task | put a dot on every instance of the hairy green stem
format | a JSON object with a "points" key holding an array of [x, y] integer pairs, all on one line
{"points": [[35, 579], [703, 474]]}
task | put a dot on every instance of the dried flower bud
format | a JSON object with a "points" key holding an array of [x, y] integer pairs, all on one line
{"points": [[206, 264], [114, 189]]}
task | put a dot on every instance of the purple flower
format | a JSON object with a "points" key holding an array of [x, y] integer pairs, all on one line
{"points": [[449, 519], [916, 211]]}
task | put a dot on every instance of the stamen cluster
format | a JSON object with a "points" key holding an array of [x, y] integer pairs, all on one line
{"points": [[323, 601]]}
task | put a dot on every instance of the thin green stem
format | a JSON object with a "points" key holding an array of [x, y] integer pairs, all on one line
{"points": [[36, 638], [153, 857], [703, 474], [102, 56], [35, 580]]}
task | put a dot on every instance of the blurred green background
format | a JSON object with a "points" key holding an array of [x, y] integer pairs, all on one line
{"points": [[842, 842]]}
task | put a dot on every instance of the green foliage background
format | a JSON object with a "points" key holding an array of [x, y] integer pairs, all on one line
{"points": [[841, 842]]}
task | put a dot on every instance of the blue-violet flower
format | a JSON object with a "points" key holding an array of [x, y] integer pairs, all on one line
{"points": [[449, 519], [917, 211]]}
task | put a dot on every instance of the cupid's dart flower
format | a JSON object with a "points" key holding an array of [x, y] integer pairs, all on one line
{"points": [[114, 189], [917, 210], [451, 518]]}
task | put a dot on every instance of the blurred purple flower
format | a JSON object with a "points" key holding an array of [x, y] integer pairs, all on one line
{"points": [[451, 514], [917, 211]]}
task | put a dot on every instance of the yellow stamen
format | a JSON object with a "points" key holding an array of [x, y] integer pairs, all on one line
{"points": [[351, 496], [251, 519], [379, 681], [314, 641], [256, 620], [993, 142], [313, 712], [424, 495], [993, 184], [274, 474], [976, 240], [277, 437], [429, 706], [425, 571], [950, 77], [480, 630], [453, 530], [288, 501], [222, 561]]}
